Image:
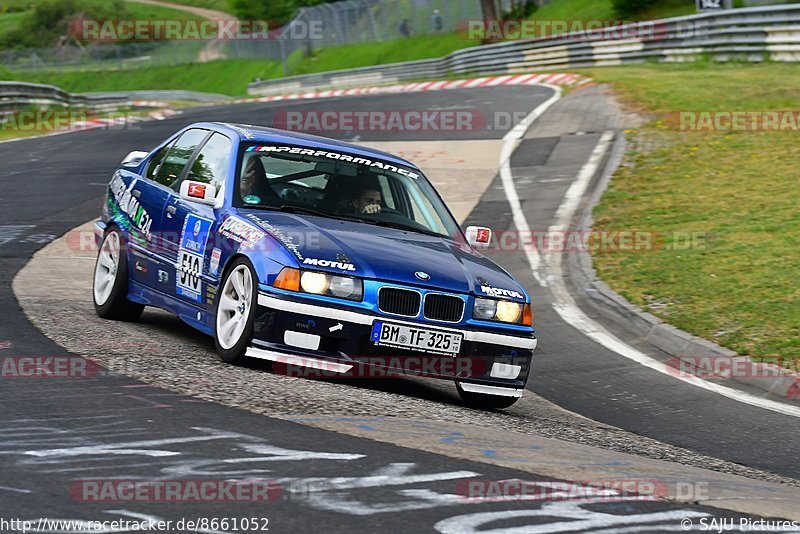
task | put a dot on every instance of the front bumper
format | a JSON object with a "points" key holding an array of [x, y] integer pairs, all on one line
{"points": [[330, 341]]}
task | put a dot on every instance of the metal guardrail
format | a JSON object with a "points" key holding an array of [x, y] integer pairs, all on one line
{"points": [[163, 94], [753, 34], [19, 94]]}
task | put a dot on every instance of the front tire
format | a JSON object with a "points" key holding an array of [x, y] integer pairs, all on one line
{"points": [[110, 285], [235, 316], [485, 401]]}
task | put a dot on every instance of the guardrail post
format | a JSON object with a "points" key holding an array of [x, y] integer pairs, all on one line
{"points": [[283, 55]]}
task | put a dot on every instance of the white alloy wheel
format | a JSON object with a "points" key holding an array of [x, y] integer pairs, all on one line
{"points": [[106, 268], [235, 306]]}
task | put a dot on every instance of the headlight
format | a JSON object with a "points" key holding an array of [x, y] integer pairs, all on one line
{"points": [[509, 312], [504, 311], [345, 288], [485, 309], [317, 283]]}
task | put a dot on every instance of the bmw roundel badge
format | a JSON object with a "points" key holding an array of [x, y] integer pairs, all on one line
{"points": [[422, 275]]}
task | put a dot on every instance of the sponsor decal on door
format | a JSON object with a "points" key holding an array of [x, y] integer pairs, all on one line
{"points": [[191, 257]]}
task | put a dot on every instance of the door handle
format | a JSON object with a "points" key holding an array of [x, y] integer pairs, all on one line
{"points": [[172, 210], [136, 193]]}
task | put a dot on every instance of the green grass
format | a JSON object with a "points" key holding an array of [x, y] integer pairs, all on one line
{"points": [[586, 10], [16, 5], [225, 77], [560, 16], [219, 5], [575, 10], [231, 77], [321, 60], [150, 12], [135, 9], [737, 191], [9, 21], [363, 55]]}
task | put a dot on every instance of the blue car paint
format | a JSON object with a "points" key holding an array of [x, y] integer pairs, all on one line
{"points": [[377, 254]]}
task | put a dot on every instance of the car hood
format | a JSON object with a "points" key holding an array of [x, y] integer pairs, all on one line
{"points": [[386, 254]]}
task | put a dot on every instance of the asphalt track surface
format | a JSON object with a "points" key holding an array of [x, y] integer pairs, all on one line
{"points": [[55, 432]]}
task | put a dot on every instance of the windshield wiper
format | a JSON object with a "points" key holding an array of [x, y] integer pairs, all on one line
{"points": [[288, 208], [310, 211]]}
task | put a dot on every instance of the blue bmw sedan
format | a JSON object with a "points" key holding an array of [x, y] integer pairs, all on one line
{"points": [[314, 254]]}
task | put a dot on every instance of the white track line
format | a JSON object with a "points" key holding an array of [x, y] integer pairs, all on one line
{"points": [[563, 303], [510, 143]]}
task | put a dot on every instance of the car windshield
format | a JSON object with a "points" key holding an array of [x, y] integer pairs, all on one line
{"points": [[339, 185]]}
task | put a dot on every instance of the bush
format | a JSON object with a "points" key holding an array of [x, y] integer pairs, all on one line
{"points": [[278, 12], [629, 8], [48, 21], [521, 10]]}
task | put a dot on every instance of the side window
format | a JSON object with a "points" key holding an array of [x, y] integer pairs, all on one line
{"points": [[157, 160], [178, 156], [212, 162], [386, 191], [423, 207]]}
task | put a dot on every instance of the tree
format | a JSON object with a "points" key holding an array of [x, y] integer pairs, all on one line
{"points": [[49, 21], [489, 10]]}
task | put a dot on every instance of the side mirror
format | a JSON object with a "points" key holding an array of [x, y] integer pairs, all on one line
{"points": [[478, 236], [198, 192], [134, 158]]}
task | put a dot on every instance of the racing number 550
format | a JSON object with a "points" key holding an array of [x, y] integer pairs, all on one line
{"points": [[190, 269]]}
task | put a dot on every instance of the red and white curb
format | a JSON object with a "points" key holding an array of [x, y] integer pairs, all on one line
{"points": [[148, 104], [568, 80], [94, 124]]}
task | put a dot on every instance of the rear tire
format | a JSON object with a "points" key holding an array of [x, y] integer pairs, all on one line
{"points": [[485, 401], [110, 285], [235, 315]]}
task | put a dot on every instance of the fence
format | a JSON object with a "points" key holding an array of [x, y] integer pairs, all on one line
{"points": [[344, 22], [750, 34]]}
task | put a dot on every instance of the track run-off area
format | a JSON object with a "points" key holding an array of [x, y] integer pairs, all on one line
{"points": [[361, 455]]}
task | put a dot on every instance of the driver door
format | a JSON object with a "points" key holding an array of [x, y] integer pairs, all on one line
{"points": [[187, 224]]}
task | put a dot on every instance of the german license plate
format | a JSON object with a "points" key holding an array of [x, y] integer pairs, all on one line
{"points": [[411, 337]]}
